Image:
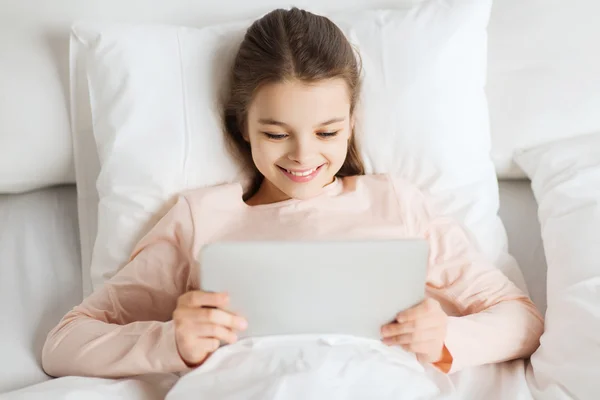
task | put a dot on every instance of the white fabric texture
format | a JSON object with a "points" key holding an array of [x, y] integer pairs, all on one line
{"points": [[566, 182], [313, 367], [142, 387], [155, 96], [542, 63], [543, 81], [518, 211], [35, 138], [40, 277], [490, 382], [26, 258], [35, 145]]}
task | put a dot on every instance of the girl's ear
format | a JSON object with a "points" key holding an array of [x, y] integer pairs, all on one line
{"points": [[352, 125]]}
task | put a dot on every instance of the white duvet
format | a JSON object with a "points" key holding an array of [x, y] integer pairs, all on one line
{"points": [[331, 367], [565, 177], [300, 367]]}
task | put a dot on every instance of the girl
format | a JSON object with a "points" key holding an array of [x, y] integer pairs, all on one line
{"points": [[290, 117]]}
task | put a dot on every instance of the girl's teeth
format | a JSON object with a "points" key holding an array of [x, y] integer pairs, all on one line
{"points": [[305, 173]]}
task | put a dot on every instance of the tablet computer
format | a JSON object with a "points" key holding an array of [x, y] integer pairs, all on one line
{"points": [[320, 287]]}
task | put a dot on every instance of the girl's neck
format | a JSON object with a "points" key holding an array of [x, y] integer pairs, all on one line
{"points": [[267, 193]]}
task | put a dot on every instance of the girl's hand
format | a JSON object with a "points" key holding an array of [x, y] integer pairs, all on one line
{"points": [[420, 329], [201, 324]]}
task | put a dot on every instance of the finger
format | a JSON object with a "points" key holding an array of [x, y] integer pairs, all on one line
{"points": [[390, 330], [194, 350], [198, 298], [425, 307], [425, 336], [214, 331], [212, 315], [209, 345], [411, 314], [425, 348], [412, 326]]}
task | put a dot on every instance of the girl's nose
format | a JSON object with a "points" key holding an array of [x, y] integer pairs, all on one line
{"points": [[303, 151]]}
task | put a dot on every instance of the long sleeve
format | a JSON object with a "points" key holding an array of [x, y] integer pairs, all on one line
{"points": [[497, 322], [493, 321], [124, 328]]}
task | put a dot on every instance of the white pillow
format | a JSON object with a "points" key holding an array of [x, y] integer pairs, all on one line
{"points": [[35, 137], [543, 80], [154, 94], [35, 140], [565, 178]]}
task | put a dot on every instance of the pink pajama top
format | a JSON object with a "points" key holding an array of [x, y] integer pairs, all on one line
{"points": [[124, 328]]}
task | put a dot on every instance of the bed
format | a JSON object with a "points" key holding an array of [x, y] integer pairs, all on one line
{"points": [[41, 275], [538, 95]]}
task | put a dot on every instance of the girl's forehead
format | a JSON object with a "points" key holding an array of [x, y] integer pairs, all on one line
{"points": [[296, 101]]}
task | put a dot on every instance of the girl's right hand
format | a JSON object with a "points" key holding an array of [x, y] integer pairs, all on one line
{"points": [[201, 324]]}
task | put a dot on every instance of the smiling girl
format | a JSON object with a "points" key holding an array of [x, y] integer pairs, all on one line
{"points": [[290, 117]]}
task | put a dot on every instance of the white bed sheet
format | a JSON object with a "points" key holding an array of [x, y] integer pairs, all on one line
{"points": [[518, 211], [40, 281], [491, 382], [40, 277]]}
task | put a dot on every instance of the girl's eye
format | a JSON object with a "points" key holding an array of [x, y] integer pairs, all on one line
{"points": [[275, 136], [328, 134]]}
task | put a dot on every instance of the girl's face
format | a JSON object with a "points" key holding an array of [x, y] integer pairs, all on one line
{"points": [[299, 136]]}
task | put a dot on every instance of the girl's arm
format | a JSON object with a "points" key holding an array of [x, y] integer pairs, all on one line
{"points": [[124, 328], [497, 321]]}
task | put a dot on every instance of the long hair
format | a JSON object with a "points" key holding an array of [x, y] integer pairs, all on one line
{"points": [[287, 45]]}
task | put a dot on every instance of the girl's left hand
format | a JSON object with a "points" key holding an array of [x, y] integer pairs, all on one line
{"points": [[420, 329]]}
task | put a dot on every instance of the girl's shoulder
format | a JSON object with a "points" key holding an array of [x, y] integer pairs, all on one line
{"points": [[221, 197], [397, 184], [411, 201]]}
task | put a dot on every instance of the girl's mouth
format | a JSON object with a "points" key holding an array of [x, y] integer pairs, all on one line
{"points": [[301, 176]]}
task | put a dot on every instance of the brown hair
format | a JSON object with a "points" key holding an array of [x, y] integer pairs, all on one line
{"points": [[286, 45]]}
